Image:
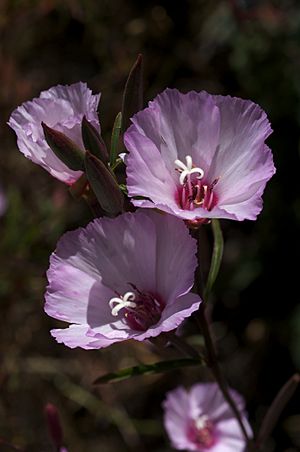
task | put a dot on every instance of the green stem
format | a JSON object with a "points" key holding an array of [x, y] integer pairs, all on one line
{"points": [[276, 408], [183, 346], [212, 360], [216, 258]]}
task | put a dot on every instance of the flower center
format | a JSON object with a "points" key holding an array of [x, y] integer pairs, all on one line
{"points": [[140, 310], [202, 432], [193, 192]]}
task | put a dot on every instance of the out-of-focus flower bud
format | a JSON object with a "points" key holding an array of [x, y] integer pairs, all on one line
{"points": [[54, 426]]}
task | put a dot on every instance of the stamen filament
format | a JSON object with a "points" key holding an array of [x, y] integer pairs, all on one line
{"points": [[125, 301], [187, 169]]}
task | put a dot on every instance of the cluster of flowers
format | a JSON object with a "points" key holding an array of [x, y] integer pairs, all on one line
{"points": [[192, 157]]}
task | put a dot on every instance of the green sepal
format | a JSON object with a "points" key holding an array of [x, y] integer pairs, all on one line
{"points": [[93, 141], [64, 148], [104, 185]]}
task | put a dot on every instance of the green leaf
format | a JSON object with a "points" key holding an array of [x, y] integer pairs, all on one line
{"points": [[93, 141], [216, 258], [123, 187], [115, 139], [133, 93], [147, 369], [64, 148], [104, 185]]}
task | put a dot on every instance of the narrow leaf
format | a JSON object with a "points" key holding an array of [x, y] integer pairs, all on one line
{"points": [[64, 148], [216, 258], [133, 93], [276, 408], [115, 139], [104, 185], [93, 141], [147, 369]]}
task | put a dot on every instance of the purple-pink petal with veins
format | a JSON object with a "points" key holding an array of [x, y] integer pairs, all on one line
{"points": [[224, 136], [147, 253]]}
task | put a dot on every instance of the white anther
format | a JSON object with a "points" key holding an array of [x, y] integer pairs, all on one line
{"points": [[188, 169], [201, 422], [118, 303]]}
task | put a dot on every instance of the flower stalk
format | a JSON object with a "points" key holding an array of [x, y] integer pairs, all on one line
{"points": [[202, 320], [212, 362], [277, 406], [216, 259]]}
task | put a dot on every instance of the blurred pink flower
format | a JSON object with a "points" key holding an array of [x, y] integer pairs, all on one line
{"points": [[199, 156], [201, 420], [61, 108], [123, 278]]}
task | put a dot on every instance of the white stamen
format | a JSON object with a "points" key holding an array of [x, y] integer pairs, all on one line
{"points": [[201, 421], [188, 169], [118, 303]]}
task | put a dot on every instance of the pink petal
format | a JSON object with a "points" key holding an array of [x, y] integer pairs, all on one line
{"points": [[172, 316], [225, 137], [91, 265], [76, 336], [176, 418], [147, 174]]}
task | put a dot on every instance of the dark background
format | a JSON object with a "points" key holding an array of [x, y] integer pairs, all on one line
{"points": [[244, 48]]}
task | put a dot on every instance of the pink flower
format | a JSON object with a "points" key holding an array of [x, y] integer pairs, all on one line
{"points": [[201, 420], [123, 278], [199, 156], [61, 108]]}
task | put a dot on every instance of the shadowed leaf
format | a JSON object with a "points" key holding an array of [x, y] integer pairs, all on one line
{"points": [[115, 139], [276, 408], [147, 369], [133, 93]]}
